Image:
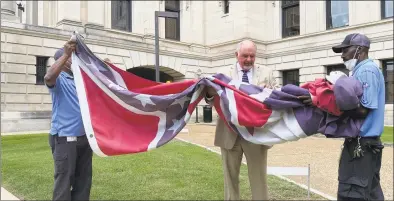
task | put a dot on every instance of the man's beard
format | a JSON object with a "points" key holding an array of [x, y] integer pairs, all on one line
{"points": [[247, 67]]}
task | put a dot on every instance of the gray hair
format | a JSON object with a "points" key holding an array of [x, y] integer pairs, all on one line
{"points": [[239, 46]]}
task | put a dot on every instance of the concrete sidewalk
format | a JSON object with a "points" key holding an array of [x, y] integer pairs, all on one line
{"points": [[5, 195], [321, 153]]}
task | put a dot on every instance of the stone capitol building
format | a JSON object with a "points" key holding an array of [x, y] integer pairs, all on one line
{"points": [[294, 38]]}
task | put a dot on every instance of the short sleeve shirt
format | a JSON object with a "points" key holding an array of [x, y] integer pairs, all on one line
{"points": [[66, 115], [372, 80]]}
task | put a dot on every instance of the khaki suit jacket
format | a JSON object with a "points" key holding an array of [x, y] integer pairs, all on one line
{"points": [[224, 137]]}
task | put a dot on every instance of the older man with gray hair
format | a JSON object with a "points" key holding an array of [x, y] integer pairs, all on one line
{"points": [[233, 146]]}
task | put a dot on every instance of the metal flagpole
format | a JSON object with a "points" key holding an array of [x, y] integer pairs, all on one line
{"points": [[157, 15], [309, 181]]}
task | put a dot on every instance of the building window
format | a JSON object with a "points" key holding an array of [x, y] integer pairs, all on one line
{"points": [[173, 24], [41, 69], [338, 67], [290, 18], [121, 15], [388, 73], [226, 6], [291, 77], [337, 13], [387, 8]]}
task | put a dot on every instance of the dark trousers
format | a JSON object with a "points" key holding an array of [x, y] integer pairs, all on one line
{"points": [[359, 178], [73, 168]]}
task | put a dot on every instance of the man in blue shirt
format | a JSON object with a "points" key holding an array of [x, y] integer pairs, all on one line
{"points": [[70, 148], [359, 166]]}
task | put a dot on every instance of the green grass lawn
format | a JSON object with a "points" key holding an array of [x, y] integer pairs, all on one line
{"points": [[175, 171], [387, 135]]}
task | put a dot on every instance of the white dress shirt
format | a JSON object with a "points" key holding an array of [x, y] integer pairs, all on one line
{"points": [[240, 73]]}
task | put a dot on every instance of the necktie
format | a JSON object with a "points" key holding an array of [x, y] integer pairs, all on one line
{"points": [[245, 76]]}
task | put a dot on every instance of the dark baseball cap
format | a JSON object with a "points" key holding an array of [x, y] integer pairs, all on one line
{"points": [[58, 53], [354, 39]]}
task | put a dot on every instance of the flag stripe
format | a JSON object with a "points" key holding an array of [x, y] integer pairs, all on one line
{"points": [[83, 102]]}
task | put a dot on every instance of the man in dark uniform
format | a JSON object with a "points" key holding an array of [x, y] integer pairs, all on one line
{"points": [[70, 148], [359, 166]]}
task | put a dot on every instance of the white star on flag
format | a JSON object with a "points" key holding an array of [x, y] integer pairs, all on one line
{"points": [[115, 86], [262, 95], [176, 125], [145, 99], [181, 101], [220, 92]]}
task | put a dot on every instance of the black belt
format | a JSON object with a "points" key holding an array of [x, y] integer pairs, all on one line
{"points": [[64, 139], [365, 141], [363, 138]]}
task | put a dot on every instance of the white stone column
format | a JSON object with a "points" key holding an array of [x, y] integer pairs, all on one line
{"points": [[32, 12], [8, 9], [187, 23], [40, 14], [47, 15], [29, 12], [69, 15], [149, 17], [107, 14], [95, 14]]}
